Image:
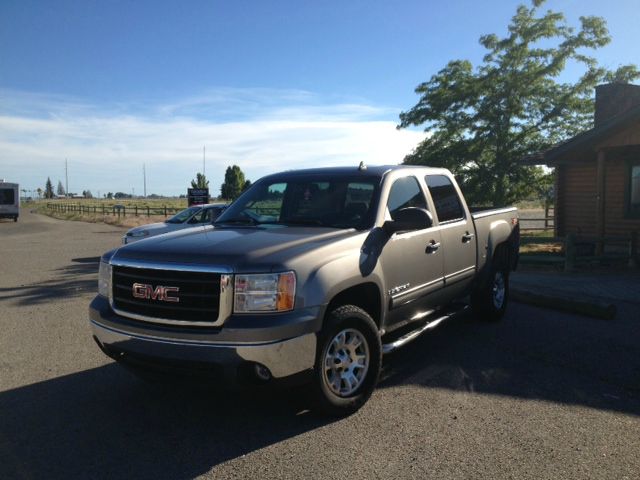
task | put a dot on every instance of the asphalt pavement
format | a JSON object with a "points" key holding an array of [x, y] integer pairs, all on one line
{"points": [[540, 395]]}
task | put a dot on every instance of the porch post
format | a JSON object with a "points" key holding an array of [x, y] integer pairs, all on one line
{"points": [[600, 206]]}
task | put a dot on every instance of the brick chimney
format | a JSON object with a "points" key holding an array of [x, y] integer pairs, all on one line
{"points": [[615, 98]]}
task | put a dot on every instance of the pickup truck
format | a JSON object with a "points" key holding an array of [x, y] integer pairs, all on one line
{"points": [[310, 274]]}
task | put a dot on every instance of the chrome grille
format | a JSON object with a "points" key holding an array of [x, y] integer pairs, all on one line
{"points": [[199, 294]]}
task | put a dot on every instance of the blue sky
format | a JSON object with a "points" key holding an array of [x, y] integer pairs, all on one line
{"points": [[111, 85]]}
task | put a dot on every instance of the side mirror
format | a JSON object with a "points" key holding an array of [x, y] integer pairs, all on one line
{"points": [[409, 219]]}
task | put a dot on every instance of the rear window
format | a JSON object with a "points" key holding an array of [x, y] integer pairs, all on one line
{"points": [[445, 198], [7, 196]]}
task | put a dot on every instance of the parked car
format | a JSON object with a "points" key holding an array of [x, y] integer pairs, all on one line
{"points": [[311, 274], [195, 216], [9, 200]]}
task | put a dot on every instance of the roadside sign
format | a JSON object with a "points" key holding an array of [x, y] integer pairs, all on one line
{"points": [[197, 196]]}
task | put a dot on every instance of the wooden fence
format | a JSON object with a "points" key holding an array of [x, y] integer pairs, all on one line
{"points": [[584, 250], [115, 210]]}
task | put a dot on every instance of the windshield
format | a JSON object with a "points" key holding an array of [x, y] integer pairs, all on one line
{"points": [[325, 201], [7, 196], [183, 216]]}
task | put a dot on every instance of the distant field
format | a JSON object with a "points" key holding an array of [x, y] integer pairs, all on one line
{"points": [[140, 202]]}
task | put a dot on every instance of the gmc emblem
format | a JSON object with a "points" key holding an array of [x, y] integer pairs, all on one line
{"points": [[161, 293]]}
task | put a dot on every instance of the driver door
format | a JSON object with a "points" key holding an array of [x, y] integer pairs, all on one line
{"points": [[412, 262]]}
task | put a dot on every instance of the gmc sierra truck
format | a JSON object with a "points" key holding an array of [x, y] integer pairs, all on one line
{"points": [[310, 274]]}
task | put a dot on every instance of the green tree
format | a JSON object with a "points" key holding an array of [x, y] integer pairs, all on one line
{"points": [[200, 181], [246, 185], [480, 122], [60, 190], [233, 183], [48, 189]]}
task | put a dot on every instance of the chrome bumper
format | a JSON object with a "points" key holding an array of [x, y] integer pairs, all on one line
{"points": [[282, 358]]}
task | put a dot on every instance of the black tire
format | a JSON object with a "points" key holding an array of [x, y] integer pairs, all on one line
{"points": [[15, 219], [356, 324], [486, 301]]}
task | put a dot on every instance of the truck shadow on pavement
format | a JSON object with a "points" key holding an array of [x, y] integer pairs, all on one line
{"points": [[103, 422], [533, 354], [75, 279]]}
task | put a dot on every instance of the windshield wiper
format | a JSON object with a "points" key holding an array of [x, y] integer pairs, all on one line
{"points": [[302, 221], [238, 221]]}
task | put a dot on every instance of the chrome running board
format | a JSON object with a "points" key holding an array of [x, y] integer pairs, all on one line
{"points": [[413, 334]]}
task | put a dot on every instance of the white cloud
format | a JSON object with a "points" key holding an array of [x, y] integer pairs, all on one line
{"points": [[262, 131]]}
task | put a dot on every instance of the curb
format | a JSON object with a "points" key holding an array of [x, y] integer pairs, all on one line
{"points": [[591, 307]]}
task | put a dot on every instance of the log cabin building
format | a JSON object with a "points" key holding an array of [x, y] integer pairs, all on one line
{"points": [[597, 190]]}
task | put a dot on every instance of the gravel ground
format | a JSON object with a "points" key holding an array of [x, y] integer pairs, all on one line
{"points": [[540, 395]]}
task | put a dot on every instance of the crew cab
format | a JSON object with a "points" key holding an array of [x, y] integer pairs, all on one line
{"points": [[311, 274]]}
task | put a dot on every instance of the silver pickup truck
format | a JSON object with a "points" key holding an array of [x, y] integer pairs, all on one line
{"points": [[310, 274]]}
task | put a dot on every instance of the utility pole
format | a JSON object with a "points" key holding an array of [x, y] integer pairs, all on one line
{"points": [[144, 176], [66, 175]]}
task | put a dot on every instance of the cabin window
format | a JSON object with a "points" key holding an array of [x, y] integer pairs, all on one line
{"points": [[633, 189]]}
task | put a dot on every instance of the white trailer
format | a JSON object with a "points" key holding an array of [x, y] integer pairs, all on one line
{"points": [[9, 200]]}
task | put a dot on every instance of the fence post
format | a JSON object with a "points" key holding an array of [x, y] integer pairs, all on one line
{"points": [[136, 210], [570, 253], [546, 214], [165, 211], [148, 214], [633, 250]]}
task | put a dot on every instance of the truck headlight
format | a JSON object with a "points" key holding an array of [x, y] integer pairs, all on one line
{"points": [[104, 279], [264, 292]]}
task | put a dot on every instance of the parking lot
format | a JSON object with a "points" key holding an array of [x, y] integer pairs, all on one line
{"points": [[540, 395]]}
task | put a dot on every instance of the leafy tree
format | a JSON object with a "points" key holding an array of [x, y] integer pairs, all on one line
{"points": [[233, 183], [200, 181], [108, 195], [87, 194], [48, 189], [247, 184], [39, 190], [482, 121], [60, 190]]}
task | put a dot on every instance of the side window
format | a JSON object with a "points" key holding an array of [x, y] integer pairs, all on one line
{"points": [[445, 198], [199, 217], [405, 192], [633, 187]]}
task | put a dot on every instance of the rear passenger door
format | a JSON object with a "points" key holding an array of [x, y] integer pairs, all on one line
{"points": [[457, 230]]}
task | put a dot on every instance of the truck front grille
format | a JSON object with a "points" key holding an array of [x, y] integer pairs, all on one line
{"points": [[197, 294]]}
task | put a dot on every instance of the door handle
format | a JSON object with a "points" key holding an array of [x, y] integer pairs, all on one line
{"points": [[433, 247], [467, 237]]}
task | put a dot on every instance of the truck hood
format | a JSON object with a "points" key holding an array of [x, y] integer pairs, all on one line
{"points": [[242, 249]]}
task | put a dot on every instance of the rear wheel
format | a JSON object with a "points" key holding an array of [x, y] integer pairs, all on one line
{"points": [[348, 360], [489, 302], [15, 219]]}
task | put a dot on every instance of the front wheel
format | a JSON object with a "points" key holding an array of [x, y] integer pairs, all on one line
{"points": [[348, 361], [489, 302]]}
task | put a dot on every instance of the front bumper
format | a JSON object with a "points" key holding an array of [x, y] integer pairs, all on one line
{"points": [[285, 343]]}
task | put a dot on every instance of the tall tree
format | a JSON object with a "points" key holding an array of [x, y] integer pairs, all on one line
{"points": [[60, 190], [200, 181], [233, 183], [480, 122], [48, 189]]}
